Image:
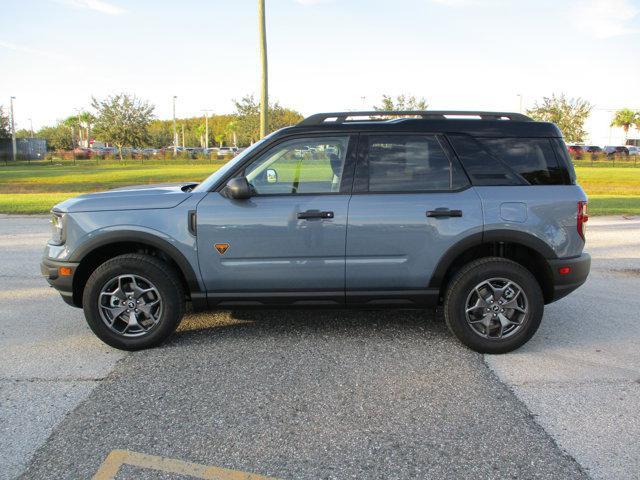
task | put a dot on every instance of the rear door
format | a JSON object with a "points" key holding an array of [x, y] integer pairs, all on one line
{"points": [[411, 203]]}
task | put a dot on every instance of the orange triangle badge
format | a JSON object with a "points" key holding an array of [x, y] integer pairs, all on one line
{"points": [[221, 247]]}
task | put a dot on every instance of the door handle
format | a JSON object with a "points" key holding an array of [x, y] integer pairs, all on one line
{"points": [[309, 214], [443, 213]]}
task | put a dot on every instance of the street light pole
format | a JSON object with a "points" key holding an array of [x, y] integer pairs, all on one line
{"points": [[13, 132], [264, 96], [175, 132], [31, 126]]}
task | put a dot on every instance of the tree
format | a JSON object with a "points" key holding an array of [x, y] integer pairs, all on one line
{"points": [[569, 114], [58, 137], [247, 125], [626, 119], [401, 102], [23, 133], [123, 120], [86, 121], [160, 133], [5, 124]]}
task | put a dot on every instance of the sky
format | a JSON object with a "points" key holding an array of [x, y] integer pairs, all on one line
{"points": [[324, 55]]}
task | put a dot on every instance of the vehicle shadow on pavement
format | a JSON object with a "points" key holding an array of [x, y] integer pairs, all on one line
{"points": [[317, 322]]}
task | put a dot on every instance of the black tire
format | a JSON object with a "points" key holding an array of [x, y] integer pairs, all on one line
{"points": [[161, 275], [464, 282]]}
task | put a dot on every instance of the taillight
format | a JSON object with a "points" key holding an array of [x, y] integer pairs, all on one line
{"points": [[582, 219]]}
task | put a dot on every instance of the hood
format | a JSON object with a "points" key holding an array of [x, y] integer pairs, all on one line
{"points": [[139, 197]]}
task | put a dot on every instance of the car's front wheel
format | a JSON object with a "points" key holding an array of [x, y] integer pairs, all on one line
{"points": [[133, 301], [493, 305]]}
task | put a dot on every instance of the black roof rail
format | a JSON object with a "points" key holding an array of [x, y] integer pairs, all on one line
{"points": [[341, 117]]}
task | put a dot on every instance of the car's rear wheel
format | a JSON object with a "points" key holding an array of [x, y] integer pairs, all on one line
{"points": [[493, 305], [133, 301]]}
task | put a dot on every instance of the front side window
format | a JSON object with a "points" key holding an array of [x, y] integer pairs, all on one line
{"points": [[409, 163], [308, 165]]}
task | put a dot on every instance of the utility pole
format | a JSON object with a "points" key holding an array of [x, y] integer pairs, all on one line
{"points": [[13, 132], [206, 128], [264, 96], [183, 145], [520, 97], [175, 132]]}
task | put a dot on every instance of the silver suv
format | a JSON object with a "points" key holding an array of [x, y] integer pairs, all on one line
{"points": [[477, 211]]}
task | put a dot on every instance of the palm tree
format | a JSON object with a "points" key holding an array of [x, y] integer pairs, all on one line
{"points": [[625, 119], [86, 121]]}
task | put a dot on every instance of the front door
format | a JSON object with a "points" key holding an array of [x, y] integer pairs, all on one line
{"points": [[411, 203], [285, 244]]}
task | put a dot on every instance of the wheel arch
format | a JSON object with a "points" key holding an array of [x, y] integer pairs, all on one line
{"points": [[111, 244], [521, 247]]}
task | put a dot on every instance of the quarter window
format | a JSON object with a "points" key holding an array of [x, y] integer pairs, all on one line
{"points": [[311, 165], [408, 163], [532, 158]]}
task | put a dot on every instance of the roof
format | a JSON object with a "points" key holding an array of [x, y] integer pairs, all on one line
{"points": [[480, 124]]}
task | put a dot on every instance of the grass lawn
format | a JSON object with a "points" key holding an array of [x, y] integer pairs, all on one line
{"points": [[35, 189]]}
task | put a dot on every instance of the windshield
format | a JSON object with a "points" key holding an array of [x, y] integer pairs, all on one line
{"points": [[212, 179]]}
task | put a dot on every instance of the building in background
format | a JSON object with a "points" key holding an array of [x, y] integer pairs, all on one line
{"points": [[27, 149]]}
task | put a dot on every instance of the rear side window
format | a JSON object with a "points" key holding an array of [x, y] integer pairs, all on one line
{"points": [[407, 163], [483, 168], [532, 158]]}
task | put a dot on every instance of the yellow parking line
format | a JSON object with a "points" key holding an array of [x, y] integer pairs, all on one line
{"points": [[117, 458]]}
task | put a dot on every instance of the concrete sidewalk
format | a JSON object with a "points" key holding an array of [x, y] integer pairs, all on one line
{"points": [[580, 374]]}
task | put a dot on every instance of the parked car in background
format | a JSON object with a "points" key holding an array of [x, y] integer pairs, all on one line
{"points": [[81, 153], [228, 151], [633, 150], [150, 152], [593, 149], [576, 149], [619, 150]]}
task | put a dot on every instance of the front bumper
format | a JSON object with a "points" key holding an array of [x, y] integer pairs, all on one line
{"points": [[50, 269], [564, 284]]}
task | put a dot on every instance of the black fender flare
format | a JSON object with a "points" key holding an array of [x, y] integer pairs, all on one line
{"points": [[497, 235], [106, 238]]}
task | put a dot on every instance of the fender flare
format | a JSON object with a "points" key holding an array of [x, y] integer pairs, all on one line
{"points": [[497, 235], [106, 238]]}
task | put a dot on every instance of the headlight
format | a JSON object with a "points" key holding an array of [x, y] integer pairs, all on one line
{"points": [[57, 228]]}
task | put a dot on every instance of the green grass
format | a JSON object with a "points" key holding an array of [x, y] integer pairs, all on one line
{"points": [[91, 179], [611, 205], [31, 203], [36, 188]]}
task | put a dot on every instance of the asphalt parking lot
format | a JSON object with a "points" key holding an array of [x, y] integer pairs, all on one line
{"points": [[329, 395]]}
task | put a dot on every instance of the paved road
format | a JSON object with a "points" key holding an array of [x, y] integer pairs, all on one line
{"points": [[50, 361], [580, 375], [312, 395]]}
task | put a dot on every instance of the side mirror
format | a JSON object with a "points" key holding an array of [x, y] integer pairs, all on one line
{"points": [[272, 176], [238, 188]]}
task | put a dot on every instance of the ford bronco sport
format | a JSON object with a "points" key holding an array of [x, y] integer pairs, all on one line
{"points": [[477, 211]]}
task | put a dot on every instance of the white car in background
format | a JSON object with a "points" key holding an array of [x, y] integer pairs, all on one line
{"points": [[228, 151], [633, 150]]}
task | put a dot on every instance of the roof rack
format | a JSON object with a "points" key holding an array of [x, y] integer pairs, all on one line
{"points": [[341, 117]]}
